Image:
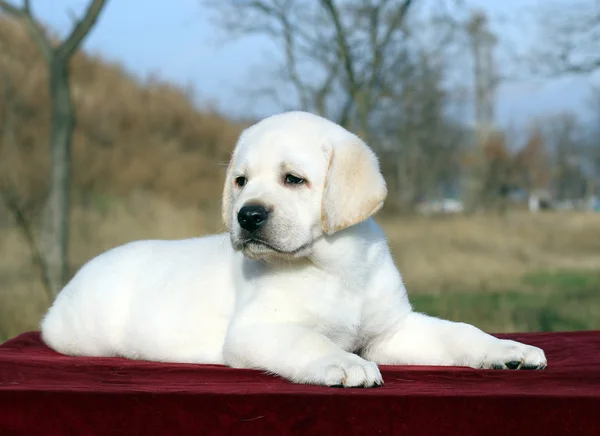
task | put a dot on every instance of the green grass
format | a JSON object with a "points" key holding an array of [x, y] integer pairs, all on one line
{"points": [[546, 301]]}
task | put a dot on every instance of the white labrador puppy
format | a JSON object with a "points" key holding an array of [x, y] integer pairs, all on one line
{"points": [[303, 285]]}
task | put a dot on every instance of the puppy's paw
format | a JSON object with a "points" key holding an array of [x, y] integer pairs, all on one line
{"points": [[344, 370], [507, 354]]}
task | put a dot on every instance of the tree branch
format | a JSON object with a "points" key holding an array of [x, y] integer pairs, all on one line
{"points": [[568, 34], [11, 9], [343, 47], [395, 23], [8, 193], [10, 200], [81, 29], [34, 28], [290, 54], [324, 90], [379, 47]]}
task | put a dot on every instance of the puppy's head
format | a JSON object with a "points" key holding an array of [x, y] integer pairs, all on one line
{"points": [[293, 178]]}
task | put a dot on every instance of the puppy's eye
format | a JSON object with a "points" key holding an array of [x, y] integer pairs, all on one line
{"points": [[293, 180], [240, 181]]}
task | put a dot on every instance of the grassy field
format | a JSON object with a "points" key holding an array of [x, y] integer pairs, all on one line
{"points": [[520, 272], [546, 301]]}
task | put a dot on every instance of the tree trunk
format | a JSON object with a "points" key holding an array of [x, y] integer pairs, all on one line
{"points": [[55, 226]]}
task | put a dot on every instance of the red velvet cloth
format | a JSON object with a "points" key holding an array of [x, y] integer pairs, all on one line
{"points": [[42, 392]]}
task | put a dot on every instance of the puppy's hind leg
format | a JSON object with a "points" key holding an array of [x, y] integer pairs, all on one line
{"points": [[418, 339]]}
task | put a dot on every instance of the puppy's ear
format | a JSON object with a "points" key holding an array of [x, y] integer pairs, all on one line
{"points": [[354, 186], [227, 201]]}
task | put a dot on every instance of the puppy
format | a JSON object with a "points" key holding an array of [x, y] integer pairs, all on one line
{"points": [[302, 285]]}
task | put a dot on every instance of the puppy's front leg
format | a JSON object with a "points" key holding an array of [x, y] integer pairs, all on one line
{"points": [[417, 339], [297, 354]]}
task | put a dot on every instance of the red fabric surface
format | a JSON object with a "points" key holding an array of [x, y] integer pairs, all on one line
{"points": [[42, 392]]}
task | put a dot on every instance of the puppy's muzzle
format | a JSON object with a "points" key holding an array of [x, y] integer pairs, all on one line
{"points": [[252, 217]]}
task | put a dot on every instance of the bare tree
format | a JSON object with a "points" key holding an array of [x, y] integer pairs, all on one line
{"points": [[532, 166], [487, 156], [365, 65], [10, 197], [55, 228], [572, 169], [364, 86], [497, 172], [485, 77], [592, 141], [569, 32], [418, 141], [334, 53]]}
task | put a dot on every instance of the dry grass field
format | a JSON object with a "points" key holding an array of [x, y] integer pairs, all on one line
{"points": [[521, 272]]}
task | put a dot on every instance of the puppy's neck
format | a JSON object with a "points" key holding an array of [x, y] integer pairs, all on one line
{"points": [[349, 248]]}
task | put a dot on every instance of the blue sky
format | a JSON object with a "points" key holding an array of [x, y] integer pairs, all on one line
{"points": [[176, 41]]}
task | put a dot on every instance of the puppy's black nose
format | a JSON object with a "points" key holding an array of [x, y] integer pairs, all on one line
{"points": [[252, 217]]}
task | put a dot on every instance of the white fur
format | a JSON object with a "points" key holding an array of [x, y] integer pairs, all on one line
{"points": [[318, 301]]}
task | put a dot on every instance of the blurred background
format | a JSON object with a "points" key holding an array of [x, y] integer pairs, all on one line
{"points": [[117, 119]]}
